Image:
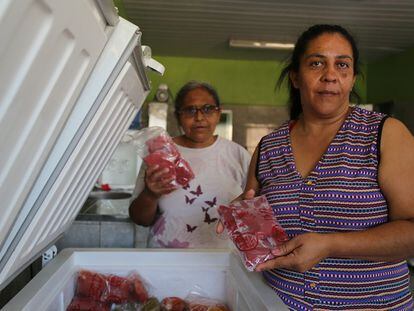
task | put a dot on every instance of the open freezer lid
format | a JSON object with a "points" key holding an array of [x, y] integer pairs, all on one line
{"points": [[73, 78]]}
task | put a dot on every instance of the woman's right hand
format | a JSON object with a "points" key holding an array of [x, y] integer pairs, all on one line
{"points": [[158, 181], [249, 194]]}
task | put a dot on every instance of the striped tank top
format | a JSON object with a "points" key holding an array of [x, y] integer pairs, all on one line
{"points": [[340, 194]]}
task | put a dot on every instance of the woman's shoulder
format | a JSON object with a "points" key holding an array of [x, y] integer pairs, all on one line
{"points": [[231, 148], [395, 132], [279, 132], [229, 144], [226, 142], [369, 117]]}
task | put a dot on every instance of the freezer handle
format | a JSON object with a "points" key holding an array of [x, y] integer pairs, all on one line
{"points": [[149, 62]]}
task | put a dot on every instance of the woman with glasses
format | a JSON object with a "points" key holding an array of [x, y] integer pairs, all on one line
{"points": [[186, 217]]}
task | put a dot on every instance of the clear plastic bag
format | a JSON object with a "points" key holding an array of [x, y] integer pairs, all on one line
{"points": [[127, 306], [199, 302], [140, 288], [81, 303], [99, 290], [253, 228], [155, 146], [90, 285], [174, 304]]}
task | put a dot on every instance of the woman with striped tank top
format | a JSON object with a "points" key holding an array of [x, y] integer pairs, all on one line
{"points": [[339, 180]]}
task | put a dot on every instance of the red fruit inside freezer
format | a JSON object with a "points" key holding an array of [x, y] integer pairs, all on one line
{"points": [[139, 290], [86, 304], [173, 304], [118, 289], [198, 307], [90, 284]]}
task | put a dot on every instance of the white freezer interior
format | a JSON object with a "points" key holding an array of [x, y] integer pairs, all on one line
{"points": [[219, 274]]}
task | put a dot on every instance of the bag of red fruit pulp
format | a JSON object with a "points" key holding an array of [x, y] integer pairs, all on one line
{"points": [[98, 291], [155, 146], [253, 228]]}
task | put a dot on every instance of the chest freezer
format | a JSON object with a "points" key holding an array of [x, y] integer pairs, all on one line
{"points": [[217, 273]]}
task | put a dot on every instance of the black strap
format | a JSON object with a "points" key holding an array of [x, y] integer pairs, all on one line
{"points": [[381, 125]]}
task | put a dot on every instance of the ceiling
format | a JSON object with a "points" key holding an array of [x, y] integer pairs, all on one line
{"points": [[202, 28]]}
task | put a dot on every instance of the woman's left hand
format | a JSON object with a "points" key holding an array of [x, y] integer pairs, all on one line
{"points": [[300, 253]]}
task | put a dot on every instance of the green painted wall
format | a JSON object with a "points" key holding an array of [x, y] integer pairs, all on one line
{"points": [[392, 78], [237, 81], [361, 84], [241, 82]]}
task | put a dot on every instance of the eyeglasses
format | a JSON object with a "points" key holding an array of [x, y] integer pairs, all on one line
{"points": [[191, 111]]}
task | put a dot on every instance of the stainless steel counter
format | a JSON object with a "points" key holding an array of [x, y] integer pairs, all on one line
{"points": [[106, 203], [103, 221], [101, 217]]}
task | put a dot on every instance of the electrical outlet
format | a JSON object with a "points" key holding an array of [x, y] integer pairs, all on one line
{"points": [[49, 255]]}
